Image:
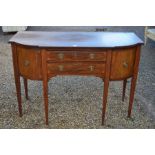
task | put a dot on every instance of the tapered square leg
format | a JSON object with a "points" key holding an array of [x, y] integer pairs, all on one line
{"points": [[133, 81], [124, 89], [45, 84], [45, 93], [105, 96], [17, 79], [18, 90], [132, 92], [106, 84], [26, 88]]}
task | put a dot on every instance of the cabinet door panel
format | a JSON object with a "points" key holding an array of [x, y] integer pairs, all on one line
{"points": [[122, 63], [29, 60]]}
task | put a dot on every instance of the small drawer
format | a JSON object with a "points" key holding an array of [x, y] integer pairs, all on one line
{"points": [[91, 56], [76, 68], [75, 56], [60, 56]]}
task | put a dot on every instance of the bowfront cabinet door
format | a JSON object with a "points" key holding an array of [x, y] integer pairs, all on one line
{"points": [[29, 60], [122, 63]]}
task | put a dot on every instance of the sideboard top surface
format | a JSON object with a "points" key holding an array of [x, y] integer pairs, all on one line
{"points": [[76, 39]]}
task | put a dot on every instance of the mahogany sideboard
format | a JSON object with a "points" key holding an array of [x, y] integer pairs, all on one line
{"points": [[112, 56]]}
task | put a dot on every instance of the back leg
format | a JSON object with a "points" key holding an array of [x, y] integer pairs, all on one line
{"points": [[124, 89], [26, 88]]}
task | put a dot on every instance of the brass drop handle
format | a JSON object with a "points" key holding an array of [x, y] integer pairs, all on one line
{"points": [[91, 68], [26, 63], [61, 68], [92, 56], [61, 56], [125, 64]]}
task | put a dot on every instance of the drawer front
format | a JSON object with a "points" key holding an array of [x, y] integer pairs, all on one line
{"points": [[76, 68], [75, 56], [122, 63]]}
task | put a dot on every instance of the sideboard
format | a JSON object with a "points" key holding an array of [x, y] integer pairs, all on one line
{"points": [[112, 56]]}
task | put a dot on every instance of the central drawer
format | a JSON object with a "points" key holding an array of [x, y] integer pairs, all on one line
{"points": [[60, 56], [76, 68]]}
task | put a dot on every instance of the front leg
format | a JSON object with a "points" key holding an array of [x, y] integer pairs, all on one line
{"points": [[105, 96], [45, 94], [45, 84], [18, 90], [17, 78], [133, 81], [106, 84]]}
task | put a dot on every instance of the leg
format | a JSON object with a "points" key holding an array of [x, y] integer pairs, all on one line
{"points": [[132, 91], [26, 88], [133, 81], [17, 79], [124, 89], [45, 83], [106, 84], [18, 90], [45, 92], [105, 96]]}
